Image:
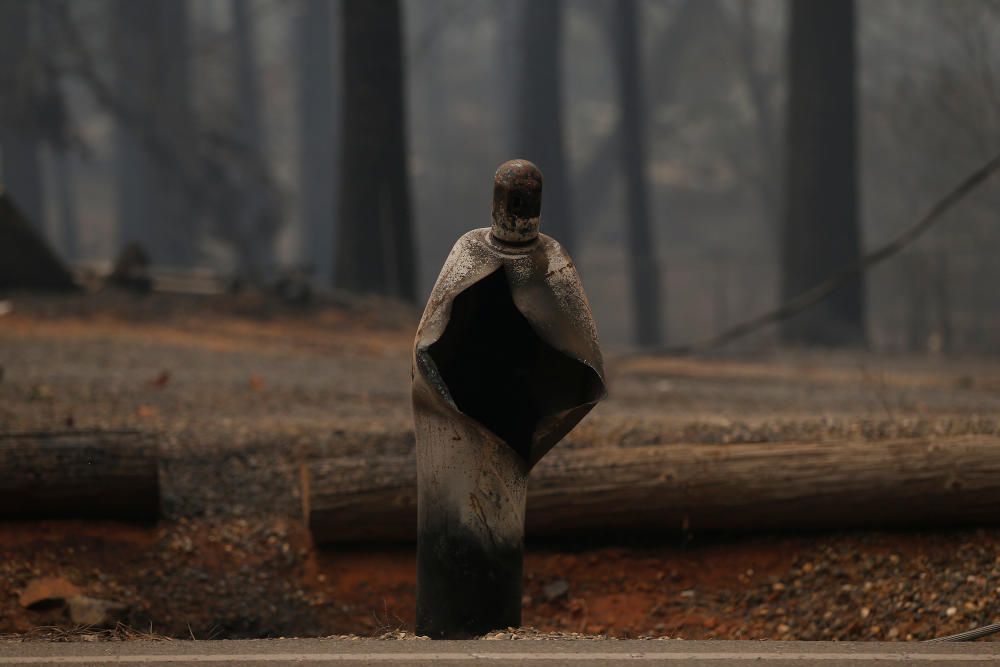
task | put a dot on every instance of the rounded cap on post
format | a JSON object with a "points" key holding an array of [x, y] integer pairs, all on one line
{"points": [[517, 202]]}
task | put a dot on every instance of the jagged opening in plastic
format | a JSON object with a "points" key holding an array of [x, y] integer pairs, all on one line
{"points": [[500, 372]]}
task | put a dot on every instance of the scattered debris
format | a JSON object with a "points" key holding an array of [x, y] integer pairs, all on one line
{"points": [[536, 634], [119, 633], [401, 635]]}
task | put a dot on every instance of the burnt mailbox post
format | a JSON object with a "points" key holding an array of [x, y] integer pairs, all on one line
{"points": [[506, 362]]}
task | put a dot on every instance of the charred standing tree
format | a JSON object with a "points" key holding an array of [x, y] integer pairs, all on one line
{"points": [[175, 120], [66, 196], [539, 129], [256, 207], [319, 130], [20, 140], [689, 19], [156, 143], [374, 237], [251, 131], [133, 163], [644, 272], [820, 228], [55, 118], [765, 182]]}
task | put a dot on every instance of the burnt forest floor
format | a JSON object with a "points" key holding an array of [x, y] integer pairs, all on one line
{"points": [[240, 391]]}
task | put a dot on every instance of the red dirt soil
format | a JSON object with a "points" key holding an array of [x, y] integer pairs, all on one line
{"points": [[851, 586]]}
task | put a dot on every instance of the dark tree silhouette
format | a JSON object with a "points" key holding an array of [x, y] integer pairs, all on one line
{"points": [[251, 131], [319, 130], [375, 241], [766, 177], [20, 139], [643, 270], [152, 56], [590, 182], [820, 227], [255, 206], [539, 129], [50, 121], [59, 133], [134, 83]]}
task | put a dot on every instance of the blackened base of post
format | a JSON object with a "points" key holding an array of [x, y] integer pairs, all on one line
{"points": [[471, 494], [465, 588]]}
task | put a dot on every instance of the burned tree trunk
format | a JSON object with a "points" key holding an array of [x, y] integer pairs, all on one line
{"points": [[645, 273], [133, 163], [174, 118], [58, 130], [942, 301], [156, 138], [590, 184], [107, 475], [821, 232], [539, 131], [250, 127], [767, 183], [256, 208], [319, 131], [374, 237], [66, 196], [20, 139], [667, 489]]}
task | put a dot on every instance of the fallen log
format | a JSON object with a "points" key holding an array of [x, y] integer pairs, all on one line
{"points": [[670, 489], [85, 474]]}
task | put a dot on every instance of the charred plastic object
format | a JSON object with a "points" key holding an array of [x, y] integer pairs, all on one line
{"points": [[506, 362]]}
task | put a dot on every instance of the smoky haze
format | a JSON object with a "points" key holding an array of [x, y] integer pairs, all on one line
{"points": [[704, 160]]}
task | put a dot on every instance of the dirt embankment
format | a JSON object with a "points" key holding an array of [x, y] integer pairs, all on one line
{"points": [[242, 391]]}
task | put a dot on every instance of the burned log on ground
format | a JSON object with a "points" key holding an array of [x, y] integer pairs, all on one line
{"points": [[670, 489], [26, 260], [86, 474]]}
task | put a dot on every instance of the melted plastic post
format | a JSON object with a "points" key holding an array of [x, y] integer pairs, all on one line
{"points": [[506, 362]]}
